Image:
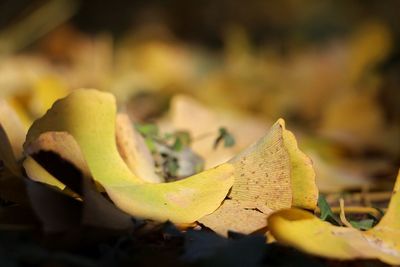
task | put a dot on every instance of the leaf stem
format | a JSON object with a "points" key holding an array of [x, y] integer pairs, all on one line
{"points": [[342, 214]]}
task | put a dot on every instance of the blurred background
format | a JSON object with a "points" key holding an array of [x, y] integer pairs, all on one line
{"points": [[329, 68]]}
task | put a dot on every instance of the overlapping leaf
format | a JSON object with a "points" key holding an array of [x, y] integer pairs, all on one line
{"points": [[89, 117], [302, 230], [270, 175]]}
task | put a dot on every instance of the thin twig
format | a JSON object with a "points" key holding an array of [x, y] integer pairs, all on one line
{"points": [[342, 214]]}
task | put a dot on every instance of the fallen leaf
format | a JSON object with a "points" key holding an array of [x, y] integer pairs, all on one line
{"points": [[130, 145], [45, 92], [61, 143], [235, 216], [306, 232], [13, 127], [270, 175], [7, 155], [340, 119], [12, 187], [262, 172], [89, 116], [39, 174], [363, 224], [203, 124], [302, 174], [58, 211], [326, 212], [133, 150]]}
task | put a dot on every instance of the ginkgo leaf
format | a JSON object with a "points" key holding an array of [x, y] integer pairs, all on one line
{"points": [[6, 153], [134, 151], [89, 116], [270, 175], [58, 212], [45, 91], [13, 126], [130, 145], [302, 174], [236, 216], [39, 174], [38, 96], [262, 173], [12, 187], [306, 232], [61, 143]]}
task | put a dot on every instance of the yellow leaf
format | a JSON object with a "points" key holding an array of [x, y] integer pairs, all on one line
{"points": [[130, 145], [392, 216], [134, 151], [63, 144], [302, 174], [270, 175], [370, 44], [262, 172], [306, 232], [89, 117], [39, 174], [235, 216], [45, 92], [13, 127], [21, 112]]}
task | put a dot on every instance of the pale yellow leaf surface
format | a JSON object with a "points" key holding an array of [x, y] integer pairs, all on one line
{"points": [[306, 232], [262, 173], [89, 116], [202, 122], [270, 175], [235, 216]]}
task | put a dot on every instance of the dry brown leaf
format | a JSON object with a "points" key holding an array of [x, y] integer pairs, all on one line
{"points": [[236, 216], [262, 173], [268, 175]]}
